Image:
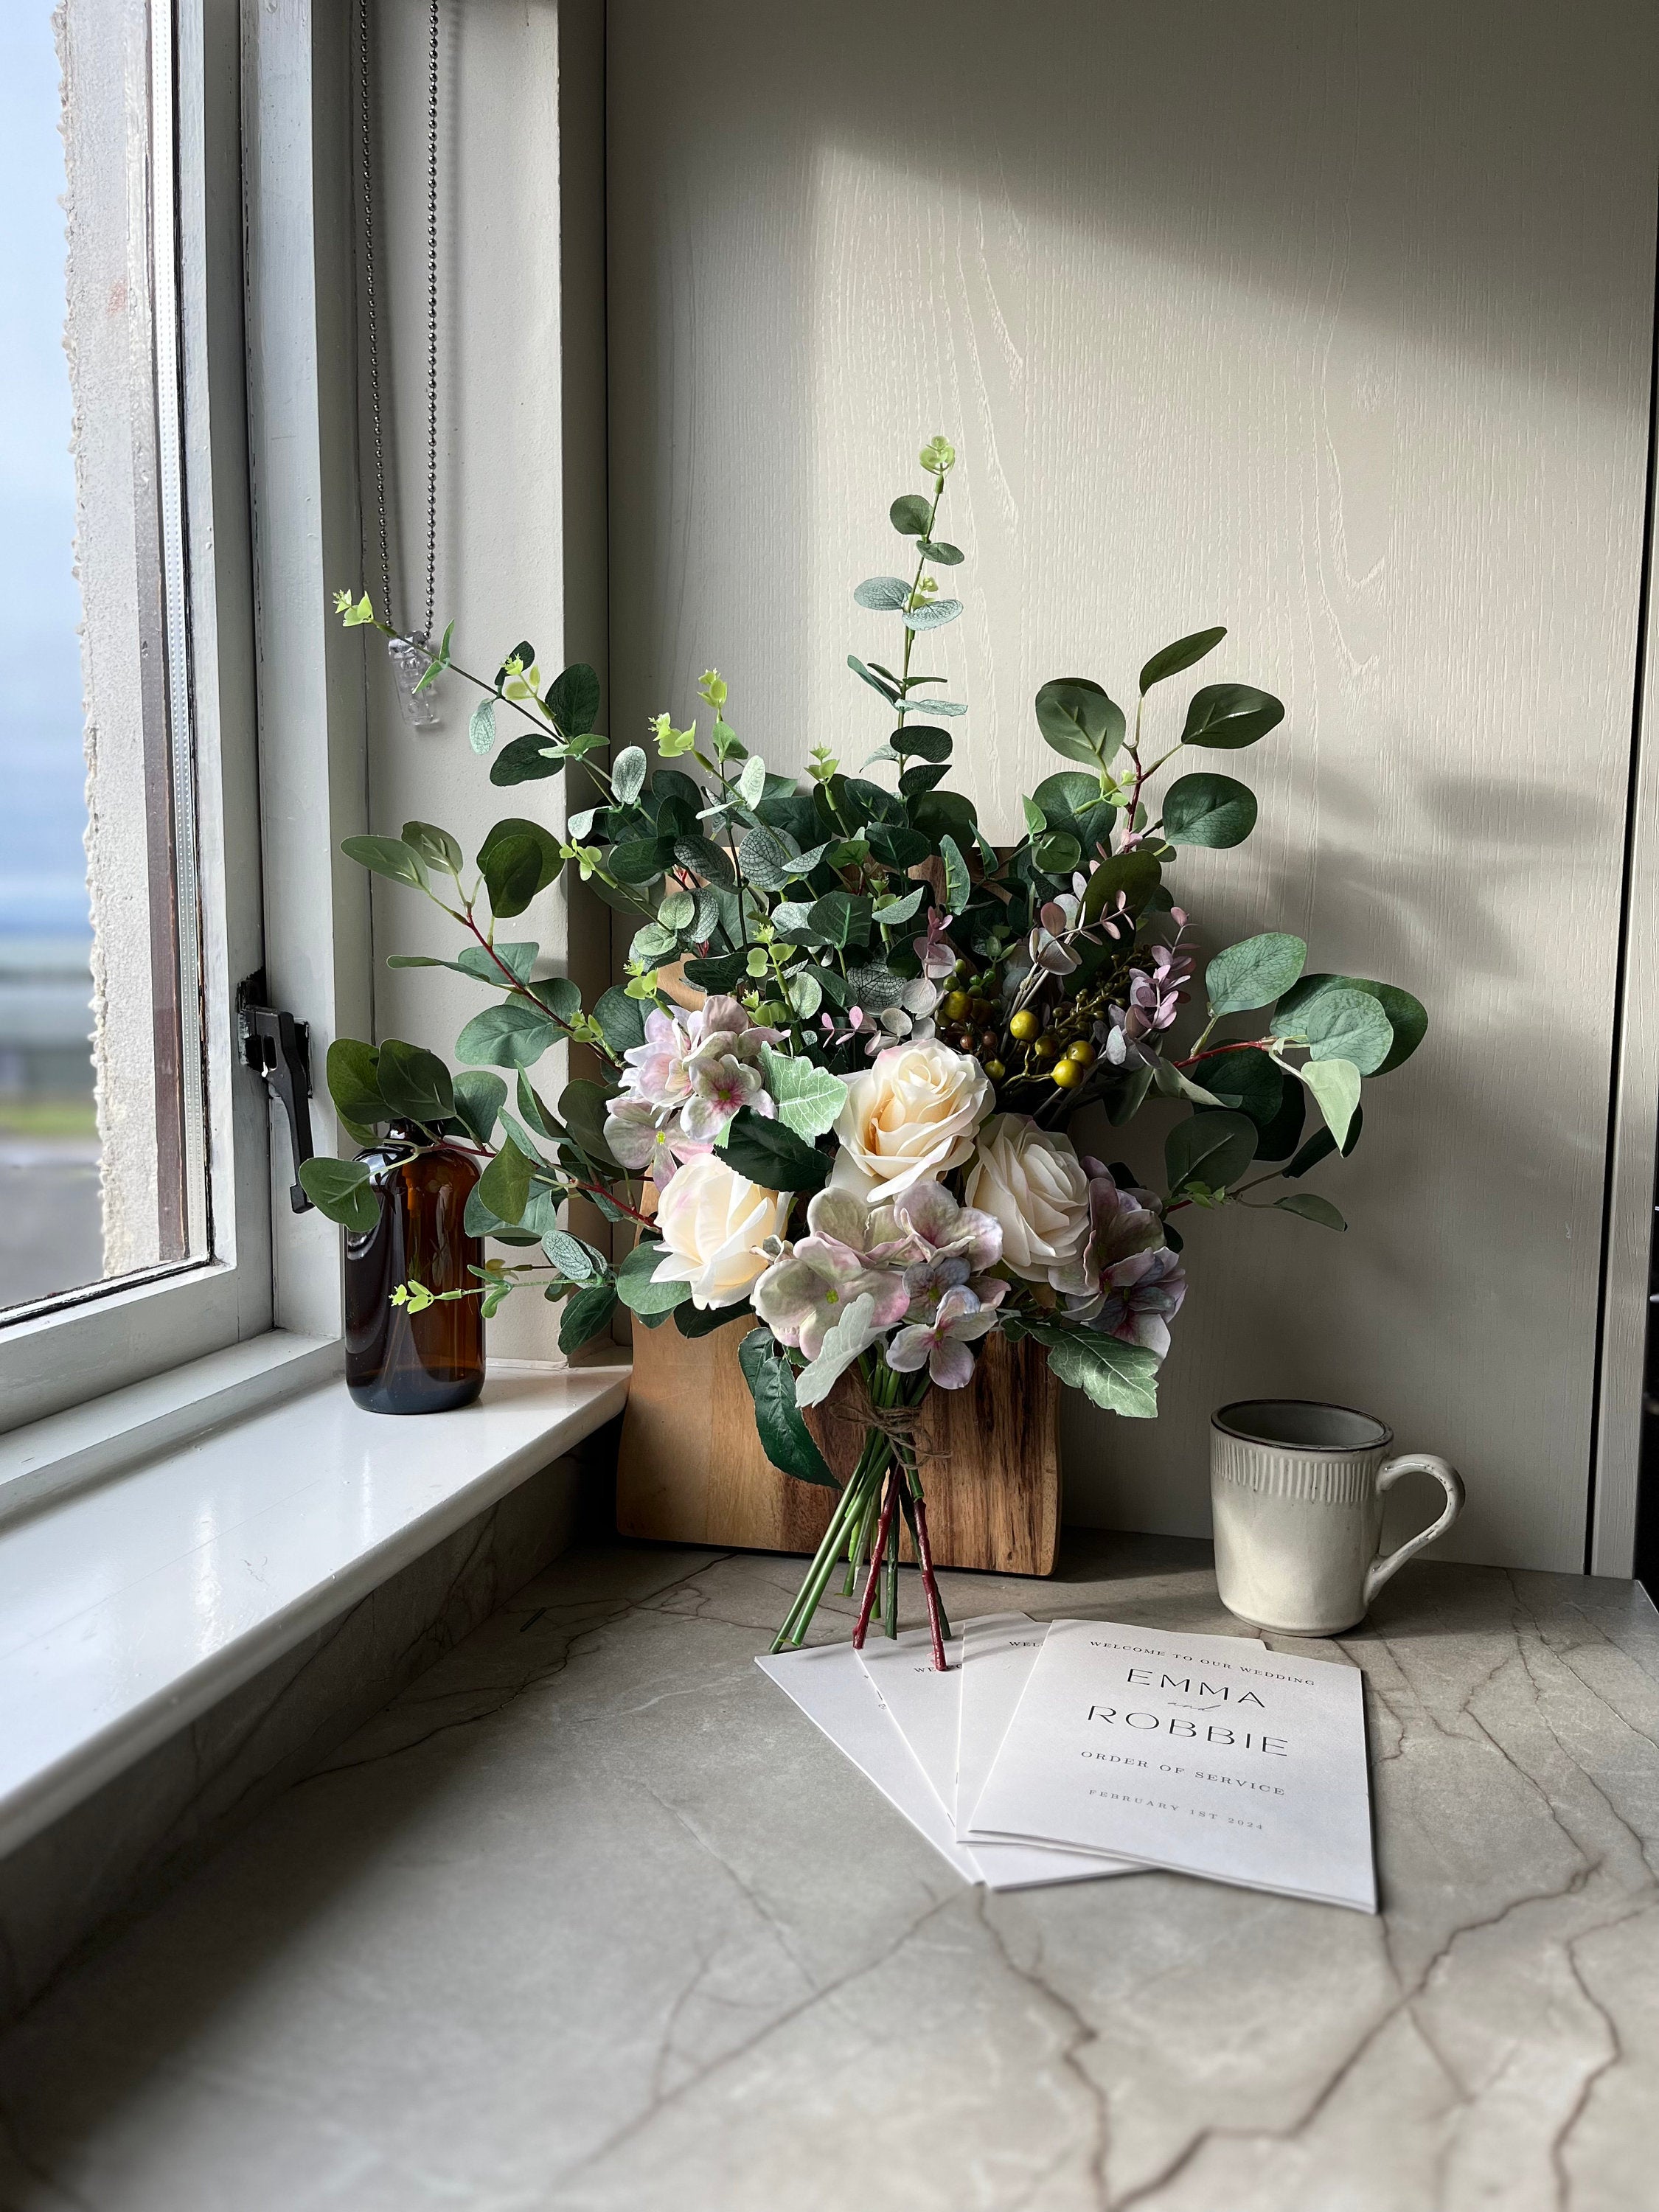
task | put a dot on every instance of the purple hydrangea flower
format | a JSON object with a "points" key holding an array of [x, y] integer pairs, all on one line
{"points": [[942, 1345]]}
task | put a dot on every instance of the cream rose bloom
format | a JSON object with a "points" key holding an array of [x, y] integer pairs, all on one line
{"points": [[909, 1118], [713, 1224], [1033, 1184]]}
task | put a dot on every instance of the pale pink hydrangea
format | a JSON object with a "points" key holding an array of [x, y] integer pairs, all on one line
{"points": [[681, 1087]]}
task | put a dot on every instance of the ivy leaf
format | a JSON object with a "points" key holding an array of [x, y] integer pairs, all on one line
{"points": [[1254, 972], [1230, 715], [771, 1155], [1335, 1085], [342, 1190], [504, 1186], [480, 727], [1212, 1148], [628, 774], [415, 1083], [1311, 1207], [388, 856], [1079, 721], [785, 1437], [808, 1097], [1182, 654]]}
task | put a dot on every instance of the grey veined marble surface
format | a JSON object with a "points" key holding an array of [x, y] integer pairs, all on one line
{"points": [[593, 1917]]}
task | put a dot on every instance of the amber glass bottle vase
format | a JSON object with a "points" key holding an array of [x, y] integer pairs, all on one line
{"points": [[398, 1362]]}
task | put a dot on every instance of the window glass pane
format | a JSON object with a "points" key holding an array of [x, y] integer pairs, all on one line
{"points": [[101, 1171]]}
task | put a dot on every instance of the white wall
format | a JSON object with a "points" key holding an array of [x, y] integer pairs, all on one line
{"points": [[1332, 325], [522, 482]]}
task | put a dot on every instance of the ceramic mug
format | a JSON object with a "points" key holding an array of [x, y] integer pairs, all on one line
{"points": [[1297, 1489]]}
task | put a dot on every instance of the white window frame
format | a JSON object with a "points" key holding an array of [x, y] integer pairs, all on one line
{"points": [[269, 517]]}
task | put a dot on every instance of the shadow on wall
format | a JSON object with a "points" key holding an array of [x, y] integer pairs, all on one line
{"points": [[1314, 322]]}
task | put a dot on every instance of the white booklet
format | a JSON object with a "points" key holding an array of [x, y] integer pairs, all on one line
{"points": [[834, 1692], [927, 1707], [1209, 1754]]}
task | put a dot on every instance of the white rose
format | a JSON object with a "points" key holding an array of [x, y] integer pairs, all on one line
{"points": [[1034, 1184], [908, 1118], [713, 1224]]}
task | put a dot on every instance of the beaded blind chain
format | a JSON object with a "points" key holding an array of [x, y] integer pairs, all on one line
{"points": [[408, 661]]}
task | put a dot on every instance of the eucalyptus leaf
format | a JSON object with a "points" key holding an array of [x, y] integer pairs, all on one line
{"points": [[910, 515], [435, 846], [526, 760], [352, 1072], [480, 727], [388, 856], [621, 1019], [941, 551], [958, 883], [415, 1083], [1078, 719], [888, 691], [1211, 810], [1340, 1024], [1335, 1085], [883, 594], [1228, 715], [479, 1096], [1311, 1207], [636, 1286], [927, 744], [343, 1192], [504, 1186], [932, 614], [514, 828], [1214, 1149], [704, 859], [1254, 972], [509, 1035], [785, 1437], [573, 701], [1182, 654], [765, 859], [951, 709], [586, 1315], [512, 870], [1408, 1017], [628, 774]]}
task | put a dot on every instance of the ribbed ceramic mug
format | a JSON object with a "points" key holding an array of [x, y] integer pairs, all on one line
{"points": [[1297, 1489]]}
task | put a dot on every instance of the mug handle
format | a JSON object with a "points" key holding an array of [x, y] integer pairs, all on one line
{"points": [[1387, 1475]]}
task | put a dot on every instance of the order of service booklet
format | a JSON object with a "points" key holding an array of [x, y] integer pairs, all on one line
{"points": [[927, 1709], [1206, 1754]]}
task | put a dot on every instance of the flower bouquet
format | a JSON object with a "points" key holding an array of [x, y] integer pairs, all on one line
{"points": [[836, 1083]]}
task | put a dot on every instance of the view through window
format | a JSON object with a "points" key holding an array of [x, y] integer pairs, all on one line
{"points": [[101, 1167]]}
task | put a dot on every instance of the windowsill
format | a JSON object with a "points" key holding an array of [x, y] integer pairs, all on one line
{"points": [[128, 1606]]}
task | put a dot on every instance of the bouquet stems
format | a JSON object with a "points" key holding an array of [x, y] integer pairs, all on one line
{"points": [[882, 1494]]}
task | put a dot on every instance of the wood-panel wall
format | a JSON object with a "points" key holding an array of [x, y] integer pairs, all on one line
{"points": [[1331, 325]]}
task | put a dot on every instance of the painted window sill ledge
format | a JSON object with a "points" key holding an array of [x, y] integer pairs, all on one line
{"points": [[130, 1606]]}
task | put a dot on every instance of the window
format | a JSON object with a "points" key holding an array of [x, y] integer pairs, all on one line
{"points": [[134, 1202]]}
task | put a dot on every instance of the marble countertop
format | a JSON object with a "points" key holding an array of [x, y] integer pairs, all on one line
{"points": [[593, 1919]]}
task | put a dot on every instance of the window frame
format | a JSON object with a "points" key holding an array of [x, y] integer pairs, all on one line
{"points": [[247, 254]]}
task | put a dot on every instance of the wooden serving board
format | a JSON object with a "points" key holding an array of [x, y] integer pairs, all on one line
{"points": [[691, 1470]]}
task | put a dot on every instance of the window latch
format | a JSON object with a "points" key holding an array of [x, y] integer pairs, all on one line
{"points": [[276, 1047]]}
